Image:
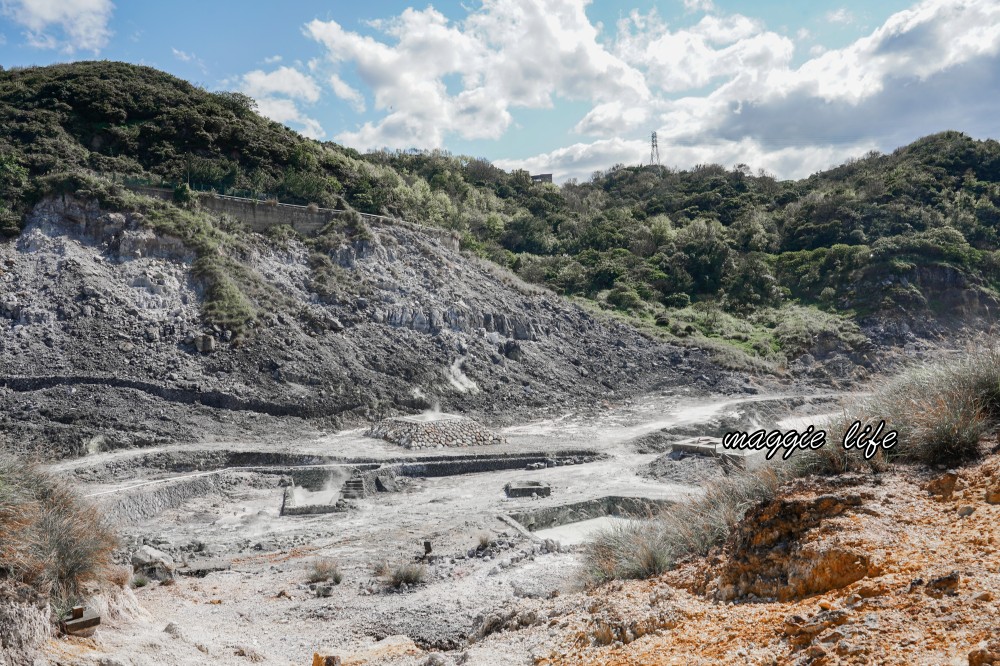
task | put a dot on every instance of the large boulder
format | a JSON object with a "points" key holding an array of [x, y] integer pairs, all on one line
{"points": [[153, 563]]}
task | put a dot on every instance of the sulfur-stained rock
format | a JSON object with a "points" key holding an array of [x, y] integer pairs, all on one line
{"points": [[771, 557], [986, 656], [325, 660], [943, 486]]}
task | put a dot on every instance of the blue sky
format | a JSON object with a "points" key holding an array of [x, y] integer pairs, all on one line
{"points": [[565, 86]]}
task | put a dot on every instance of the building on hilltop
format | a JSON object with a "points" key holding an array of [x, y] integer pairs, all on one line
{"points": [[542, 178]]}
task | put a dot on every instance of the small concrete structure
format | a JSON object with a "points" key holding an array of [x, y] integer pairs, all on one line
{"points": [[80, 620], [527, 489], [290, 508], [434, 430], [712, 447]]}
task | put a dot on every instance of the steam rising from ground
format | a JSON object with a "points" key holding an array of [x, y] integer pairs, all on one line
{"points": [[329, 494], [459, 380]]}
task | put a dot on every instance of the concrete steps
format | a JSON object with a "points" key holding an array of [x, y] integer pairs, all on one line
{"points": [[353, 489]]}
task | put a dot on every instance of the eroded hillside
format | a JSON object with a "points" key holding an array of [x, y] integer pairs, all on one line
{"points": [[107, 345]]}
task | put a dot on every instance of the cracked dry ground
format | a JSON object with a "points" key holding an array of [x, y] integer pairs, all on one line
{"points": [[888, 569]]}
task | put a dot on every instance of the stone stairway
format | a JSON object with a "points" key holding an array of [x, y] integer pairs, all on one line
{"points": [[353, 489]]}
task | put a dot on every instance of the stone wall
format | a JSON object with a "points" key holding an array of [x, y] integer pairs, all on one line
{"points": [[136, 504], [380, 480], [447, 431], [628, 507], [262, 215]]}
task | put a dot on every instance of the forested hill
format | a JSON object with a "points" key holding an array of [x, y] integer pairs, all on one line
{"points": [[901, 235]]}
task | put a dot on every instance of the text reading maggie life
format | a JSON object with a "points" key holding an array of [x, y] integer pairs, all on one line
{"points": [[868, 439]]}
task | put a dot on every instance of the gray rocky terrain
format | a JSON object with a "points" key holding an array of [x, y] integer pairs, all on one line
{"points": [[102, 344]]}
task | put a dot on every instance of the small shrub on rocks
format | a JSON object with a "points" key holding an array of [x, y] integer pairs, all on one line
{"points": [[325, 570], [408, 574], [380, 568]]}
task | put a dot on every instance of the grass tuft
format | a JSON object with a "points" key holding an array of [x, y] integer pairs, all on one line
{"points": [[410, 574], [941, 412], [325, 569], [51, 539]]}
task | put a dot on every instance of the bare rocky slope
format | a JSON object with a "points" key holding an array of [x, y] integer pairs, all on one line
{"points": [[102, 343]]}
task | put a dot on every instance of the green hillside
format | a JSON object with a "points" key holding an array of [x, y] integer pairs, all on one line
{"points": [[758, 264]]}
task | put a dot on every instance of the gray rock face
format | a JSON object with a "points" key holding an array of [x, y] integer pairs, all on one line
{"points": [[103, 345]]}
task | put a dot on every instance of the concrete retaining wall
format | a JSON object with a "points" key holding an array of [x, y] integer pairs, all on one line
{"points": [[134, 505], [553, 516], [261, 215]]}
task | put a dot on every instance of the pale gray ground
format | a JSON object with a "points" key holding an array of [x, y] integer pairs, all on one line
{"points": [[262, 605]]}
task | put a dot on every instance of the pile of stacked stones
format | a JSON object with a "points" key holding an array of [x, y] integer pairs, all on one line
{"points": [[453, 431]]}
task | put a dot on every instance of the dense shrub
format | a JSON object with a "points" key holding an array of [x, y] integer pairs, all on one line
{"points": [[50, 539]]}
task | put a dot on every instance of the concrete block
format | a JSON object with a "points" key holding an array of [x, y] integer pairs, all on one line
{"points": [[80, 620], [527, 489]]}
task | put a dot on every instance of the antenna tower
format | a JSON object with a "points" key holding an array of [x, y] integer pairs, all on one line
{"points": [[654, 152]]}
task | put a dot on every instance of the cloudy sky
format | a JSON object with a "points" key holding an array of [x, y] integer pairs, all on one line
{"points": [[564, 86]]}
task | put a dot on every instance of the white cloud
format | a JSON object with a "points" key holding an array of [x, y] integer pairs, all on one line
{"points": [[286, 112], [279, 94], [614, 118], [433, 77], [284, 81], [699, 5], [716, 47], [272, 59], [721, 87], [842, 15], [581, 160], [83, 23], [345, 92], [932, 67]]}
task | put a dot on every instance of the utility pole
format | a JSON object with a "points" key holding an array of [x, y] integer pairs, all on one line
{"points": [[654, 152]]}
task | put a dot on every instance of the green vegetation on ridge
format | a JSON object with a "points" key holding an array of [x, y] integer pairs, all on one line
{"points": [[710, 252]]}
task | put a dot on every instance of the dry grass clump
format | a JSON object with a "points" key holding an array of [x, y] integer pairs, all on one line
{"points": [[646, 548], [409, 574], [324, 569], [120, 576], [51, 540], [941, 411], [380, 568]]}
